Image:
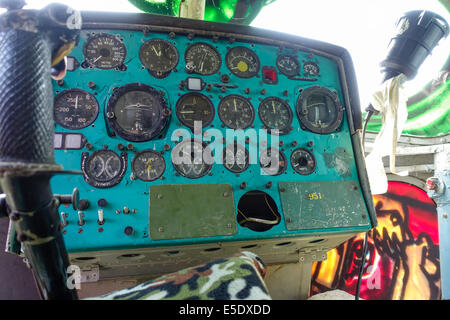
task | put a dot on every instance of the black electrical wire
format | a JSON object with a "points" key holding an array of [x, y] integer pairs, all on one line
{"points": [[370, 111], [361, 268]]}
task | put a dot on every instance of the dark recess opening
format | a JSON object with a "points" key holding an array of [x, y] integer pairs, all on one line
{"points": [[257, 211]]}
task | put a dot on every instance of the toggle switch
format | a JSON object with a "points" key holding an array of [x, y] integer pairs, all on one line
{"points": [[80, 218], [101, 219], [63, 218]]}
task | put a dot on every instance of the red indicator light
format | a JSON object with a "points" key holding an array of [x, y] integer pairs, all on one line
{"points": [[270, 75]]}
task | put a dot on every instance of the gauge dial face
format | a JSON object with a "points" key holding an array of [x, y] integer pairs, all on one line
{"points": [[310, 68], [236, 112], [288, 65], [148, 165], [275, 113], [303, 161], [137, 112], [319, 110], [158, 56], [75, 109], [236, 158], [192, 159], [193, 107], [242, 62], [104, 51], [202, 58], [273, 161], [104, 166]]}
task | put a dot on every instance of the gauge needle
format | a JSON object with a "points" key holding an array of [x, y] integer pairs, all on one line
{"points": [[137, 106], [273, 106], [149, 167], [97, 59], [76, 102], [156, 52], [202, 62], [235, 108]]}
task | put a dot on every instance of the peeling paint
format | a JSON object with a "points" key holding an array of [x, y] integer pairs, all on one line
{"points": [[340, 160]]}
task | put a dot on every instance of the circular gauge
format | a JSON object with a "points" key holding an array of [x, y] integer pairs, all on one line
{"points": [[236, 112], [137, 112], [303, 161], [273, 161], [192, 159], [104, 166], [310, 68], [288, 65], [148, 165], [75, 109], [236, 158], [158, 56], [242, 62], [193, 107], [104, 51], [319, 110], [202, 58], [275, 113]]}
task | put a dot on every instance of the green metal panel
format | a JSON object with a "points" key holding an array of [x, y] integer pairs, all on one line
{"points": [[322, 205], [191, 211]]}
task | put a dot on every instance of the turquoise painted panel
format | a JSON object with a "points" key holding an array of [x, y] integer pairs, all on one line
{"points": [[333, 152]]}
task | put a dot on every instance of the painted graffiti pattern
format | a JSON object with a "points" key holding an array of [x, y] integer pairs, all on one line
{"points": [[402, 261]]}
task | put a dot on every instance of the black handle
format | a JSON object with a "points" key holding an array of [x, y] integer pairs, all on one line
{"points": [[26, 102], [28, 43]]}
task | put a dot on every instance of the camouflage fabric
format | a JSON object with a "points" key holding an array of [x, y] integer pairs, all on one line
{"points": [[239, 277]]}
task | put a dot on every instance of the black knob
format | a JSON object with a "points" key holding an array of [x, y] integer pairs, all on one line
{"points": [[83, 204], [102, 202], [128, 230]]}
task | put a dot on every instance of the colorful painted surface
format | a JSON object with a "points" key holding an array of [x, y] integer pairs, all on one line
{"points": [[234, 11], [402, 261]]}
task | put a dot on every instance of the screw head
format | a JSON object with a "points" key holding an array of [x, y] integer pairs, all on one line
{"points": [[128, 230]]}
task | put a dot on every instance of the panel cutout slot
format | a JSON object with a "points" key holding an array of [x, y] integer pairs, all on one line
{"points": [[257, 211]]}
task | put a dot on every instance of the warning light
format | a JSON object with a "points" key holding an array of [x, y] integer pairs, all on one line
{"points": [[269, 75]]}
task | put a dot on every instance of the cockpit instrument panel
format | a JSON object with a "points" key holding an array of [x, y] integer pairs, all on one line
{"points": [[186, 133]]}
